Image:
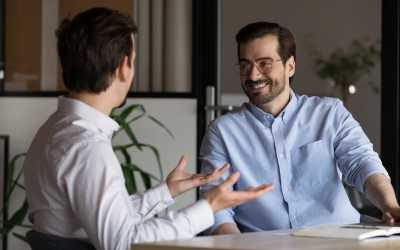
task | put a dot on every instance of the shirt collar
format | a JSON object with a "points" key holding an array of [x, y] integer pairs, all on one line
{"points": [[84, 111], [285, 115]]}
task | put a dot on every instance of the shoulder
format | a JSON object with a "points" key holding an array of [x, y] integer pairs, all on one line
{"points": [[310, 101], [63, 131], [231, 116]]}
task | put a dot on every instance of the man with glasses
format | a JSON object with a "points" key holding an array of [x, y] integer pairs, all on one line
{"points": [[301, 144]]}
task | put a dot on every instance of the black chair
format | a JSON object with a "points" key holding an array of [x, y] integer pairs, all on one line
{"points": [[366, 218], [40, 241]]}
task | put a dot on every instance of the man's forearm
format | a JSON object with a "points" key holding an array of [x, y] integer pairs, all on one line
{"points": [[226, 228], [380, 191]]}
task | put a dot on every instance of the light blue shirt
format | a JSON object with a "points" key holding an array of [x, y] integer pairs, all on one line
{"points": [[303, 152]]}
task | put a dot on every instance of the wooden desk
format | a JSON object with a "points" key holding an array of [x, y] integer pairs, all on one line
{"points": [[280, 239]]}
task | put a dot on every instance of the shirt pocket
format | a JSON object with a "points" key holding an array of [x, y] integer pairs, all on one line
{"points": [[312, 164]]}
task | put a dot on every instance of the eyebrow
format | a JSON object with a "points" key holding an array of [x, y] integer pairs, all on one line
{"points": [[258, 59]]}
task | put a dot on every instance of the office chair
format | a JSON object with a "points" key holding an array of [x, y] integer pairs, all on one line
{"points": [[39, 241]]}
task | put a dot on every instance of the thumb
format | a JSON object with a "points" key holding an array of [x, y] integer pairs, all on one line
{"points": [[182, 163], [232, 179]]}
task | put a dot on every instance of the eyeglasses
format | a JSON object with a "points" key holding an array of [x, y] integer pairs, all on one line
{"points": [[264, 66]]}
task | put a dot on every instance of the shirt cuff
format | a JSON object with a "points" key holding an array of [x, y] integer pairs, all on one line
{"points": [[366, 171], [159, 195], [220, 217], [201, 215]]}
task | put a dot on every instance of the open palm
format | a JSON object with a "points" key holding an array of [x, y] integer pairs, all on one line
{"points": [[179, 181]]}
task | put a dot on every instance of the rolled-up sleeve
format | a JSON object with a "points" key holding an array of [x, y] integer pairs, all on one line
{"points": [[213, 154], [354, 152]]}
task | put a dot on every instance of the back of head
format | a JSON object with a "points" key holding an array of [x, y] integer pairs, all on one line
{"points": [[253, 31], [91, 46]]}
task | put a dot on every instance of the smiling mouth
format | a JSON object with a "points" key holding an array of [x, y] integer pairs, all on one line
{"points": [[258, 86]]}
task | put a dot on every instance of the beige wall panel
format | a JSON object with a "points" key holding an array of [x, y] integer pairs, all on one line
{"points": [[23, 44]]}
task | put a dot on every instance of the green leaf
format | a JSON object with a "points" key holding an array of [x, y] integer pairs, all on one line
{"points": [[126, 155], [136, 118], [134, 167], [112, 113], [10, 182], [130, 183], [128, 131], [159, 123], [17, 225], [11, 168], [18, 185], [146, 180], [21, 237], [16, 219], [129, 110], [155, 151]]}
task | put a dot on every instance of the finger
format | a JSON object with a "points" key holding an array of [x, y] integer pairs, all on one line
{"points": [[250, 188], [245, 196], [232, 179], [182, 163], [261, 187], [216, 174], [263, 190], [224, 168]]}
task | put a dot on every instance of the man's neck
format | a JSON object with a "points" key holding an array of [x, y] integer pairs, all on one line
{"points": [[99, 102], [278, 104]]}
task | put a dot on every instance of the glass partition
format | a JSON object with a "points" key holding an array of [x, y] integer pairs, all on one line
{"points": [[163, 48]]}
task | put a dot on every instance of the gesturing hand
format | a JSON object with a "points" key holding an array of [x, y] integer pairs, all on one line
{"points": [[221, 197], [179, 181]]}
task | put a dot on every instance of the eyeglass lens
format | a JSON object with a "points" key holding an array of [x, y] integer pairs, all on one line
{"points": [[264, 66]]}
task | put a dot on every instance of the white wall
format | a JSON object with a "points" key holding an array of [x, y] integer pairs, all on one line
{"points": [[21, 118], [332, 24]]}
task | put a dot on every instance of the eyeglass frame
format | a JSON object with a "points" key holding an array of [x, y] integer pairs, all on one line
{"points": [[259, 60]]}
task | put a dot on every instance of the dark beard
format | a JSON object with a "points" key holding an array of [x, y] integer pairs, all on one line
{"points": [[122, 104], [276, 88]]}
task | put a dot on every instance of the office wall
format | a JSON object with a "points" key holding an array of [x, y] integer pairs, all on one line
{"points": [[21, 118], [327, 25]]}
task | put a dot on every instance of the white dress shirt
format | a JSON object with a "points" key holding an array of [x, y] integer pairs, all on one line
{"points": [[75, 186]]}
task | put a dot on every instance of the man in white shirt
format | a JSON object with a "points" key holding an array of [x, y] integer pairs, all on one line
{"points": [[74, 182]]}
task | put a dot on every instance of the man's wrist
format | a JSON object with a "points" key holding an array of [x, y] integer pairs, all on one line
{"points": [[172, 193], [388, 207]]}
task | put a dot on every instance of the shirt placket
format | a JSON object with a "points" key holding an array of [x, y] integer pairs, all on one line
{"points": [[280, 151]]}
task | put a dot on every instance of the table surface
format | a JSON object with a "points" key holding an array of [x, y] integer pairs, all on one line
{"points": [[279, 239]]}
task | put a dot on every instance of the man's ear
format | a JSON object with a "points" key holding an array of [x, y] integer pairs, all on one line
{"points": [[123, 70], [290, 66]]}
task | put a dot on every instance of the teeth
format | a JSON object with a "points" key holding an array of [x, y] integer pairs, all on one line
{"points": [[259, 86]]}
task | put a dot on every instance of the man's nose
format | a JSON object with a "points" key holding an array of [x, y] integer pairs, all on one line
{"points": [[255, 74]]}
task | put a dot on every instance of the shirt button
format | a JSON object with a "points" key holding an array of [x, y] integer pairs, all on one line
{"points": [[264, 123], [294, 216], [281, 155], [275, 127], [286, 189]]}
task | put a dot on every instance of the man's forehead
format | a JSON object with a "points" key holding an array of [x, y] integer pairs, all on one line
{"points": [[266, 46]]}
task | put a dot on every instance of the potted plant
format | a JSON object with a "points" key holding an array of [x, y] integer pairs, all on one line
{"points": [[345, 68]]}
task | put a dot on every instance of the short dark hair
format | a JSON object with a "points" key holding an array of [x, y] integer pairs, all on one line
{"points": [[92, 46], [287, 46]]}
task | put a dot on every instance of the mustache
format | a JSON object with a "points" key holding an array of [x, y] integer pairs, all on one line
{"points": [[250, 82]]}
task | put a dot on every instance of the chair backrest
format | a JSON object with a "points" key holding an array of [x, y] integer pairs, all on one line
{"points": [[39, 241]]}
